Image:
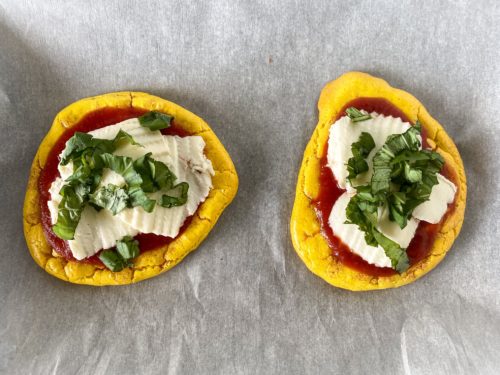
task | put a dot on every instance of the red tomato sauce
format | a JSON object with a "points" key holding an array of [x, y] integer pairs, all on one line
{"points": [[329, 192], [94, 120]]}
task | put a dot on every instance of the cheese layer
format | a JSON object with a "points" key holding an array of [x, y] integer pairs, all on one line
{"points": [[343, 133], [185, 158]]}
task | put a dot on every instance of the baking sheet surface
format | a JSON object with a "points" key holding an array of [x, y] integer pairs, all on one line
{"points": [[244, 303]]}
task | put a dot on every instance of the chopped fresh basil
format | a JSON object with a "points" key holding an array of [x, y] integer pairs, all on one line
{"points": [[356, 115], [75, 146], [110, 197], [397, 211], [412, 174], [395, 144], [155, 174], [113, 260], [360, 150], [84, 143], [124, 138], [403, 177], [169, 201], [124, 166], [155, 120], [398, 256], [401, 163], [128, 248], [138, 197], [74, 196]]}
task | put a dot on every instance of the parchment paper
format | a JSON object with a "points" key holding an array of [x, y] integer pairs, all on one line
{"points": [[244, 303]]}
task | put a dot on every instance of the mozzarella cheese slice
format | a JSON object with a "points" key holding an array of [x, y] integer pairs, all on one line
{"points": [[342, 135], [98, 230], [53, 203], [441, 196], [184, 157]]}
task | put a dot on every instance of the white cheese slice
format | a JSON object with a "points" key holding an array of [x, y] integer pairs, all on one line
{"points": [[185, 158], [53, 203], [65, 170], [111, 177], [441, 196], [344, 132], [98, 230], [150, 141]]}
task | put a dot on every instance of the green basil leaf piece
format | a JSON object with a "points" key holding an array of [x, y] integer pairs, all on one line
{"points": [[124, 166], [360, 151], [412, 174], [75, 145], [155, 120], [128, 248], [356, 115], [155, 174], [110, 197], [398, 256], [397, 210], [169, 201], [122, 137], [141, 165], [74, 197], [137, 197], [81, 170], [113, 261]]}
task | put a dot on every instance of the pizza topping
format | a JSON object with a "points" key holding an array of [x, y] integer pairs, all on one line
{"points": [[354, 237], [360, 150], [441, 196], [126, 179], [110, 197], [155, 120], [391, 185], [356, 115], [126, 250]]}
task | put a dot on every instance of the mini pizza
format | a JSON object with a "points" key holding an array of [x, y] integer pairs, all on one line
{"points": [[122, 188], [381, 191]]}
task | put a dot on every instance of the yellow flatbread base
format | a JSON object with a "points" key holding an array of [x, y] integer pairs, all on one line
{"points": [[305, 228], [150, 263]]}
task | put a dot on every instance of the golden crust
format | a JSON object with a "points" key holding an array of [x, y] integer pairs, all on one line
{"points": [[305, 229], [151, 263]]}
